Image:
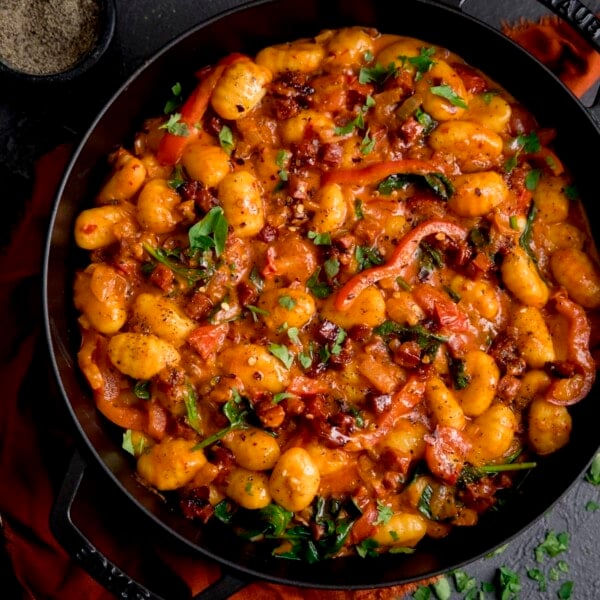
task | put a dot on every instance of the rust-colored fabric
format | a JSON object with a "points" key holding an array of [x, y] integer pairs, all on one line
{"points": [[560, 47], [34, 449]]}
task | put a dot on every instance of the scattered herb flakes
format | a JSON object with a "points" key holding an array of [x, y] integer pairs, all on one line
{"points": [[592, 506], [552, 546], [538, 576], [497, 551], [510, 583], [441, 588], [463, 581], [593, 474], [422, 593], [133, 442], [565, 590]]}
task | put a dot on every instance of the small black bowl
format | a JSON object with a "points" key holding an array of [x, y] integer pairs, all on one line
{"points": [[106, 29]]}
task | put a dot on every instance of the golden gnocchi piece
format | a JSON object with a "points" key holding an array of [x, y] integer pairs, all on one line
{"points": [[332, 209], [250, 489], [534, 341], [241, 87], [157, 206], [205, 163], [295, 479], [141, 355], [304, 56], [474, 146], [491, 111], [550, 426], [368, 309], [171, 463], [100, 293], [256, 367], [162, 317], [241, 199], [402, 529], [476, 194], [443, 404], [482, 375], [521, 277], [128, 176], [98, 227], [286, 307], [578, 274], [491, 434], [253, 448]]}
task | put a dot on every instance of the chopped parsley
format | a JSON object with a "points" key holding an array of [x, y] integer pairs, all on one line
{"points": [[376, 74], [320, 239], [367, 257], [287, 302], [593, 474], [175, 101], [553, 545], [141, 389], [210, 232], [175, 126], [282, 353], [226, 139], [445, 91]]}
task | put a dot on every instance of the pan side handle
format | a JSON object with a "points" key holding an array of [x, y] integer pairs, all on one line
{"points": [[109, 575], [79, 547], [579, 16]]}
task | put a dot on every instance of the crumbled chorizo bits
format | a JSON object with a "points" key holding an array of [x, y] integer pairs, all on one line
{"points": [[340, 297]]}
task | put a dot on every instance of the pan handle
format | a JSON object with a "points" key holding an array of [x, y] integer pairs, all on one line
{"points": [[78, 546], [95, 563], [579, 16]]}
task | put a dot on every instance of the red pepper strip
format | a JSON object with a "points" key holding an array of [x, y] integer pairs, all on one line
{"points": [[446, 452], [400, 259], [403, 401], [380, 171], [206, 340], [107, 382], [171, 146], [571, 390]]}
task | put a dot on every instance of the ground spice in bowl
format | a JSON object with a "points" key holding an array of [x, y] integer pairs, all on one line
{"points": [[48, 37]]}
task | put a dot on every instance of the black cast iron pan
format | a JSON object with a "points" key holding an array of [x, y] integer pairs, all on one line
{"points": [[248, 29]]}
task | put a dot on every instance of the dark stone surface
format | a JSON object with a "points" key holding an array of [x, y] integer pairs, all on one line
{"points": [[33, 119]]}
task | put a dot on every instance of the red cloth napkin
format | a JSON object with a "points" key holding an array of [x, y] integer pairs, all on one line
{"points": [[34, 448]]}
